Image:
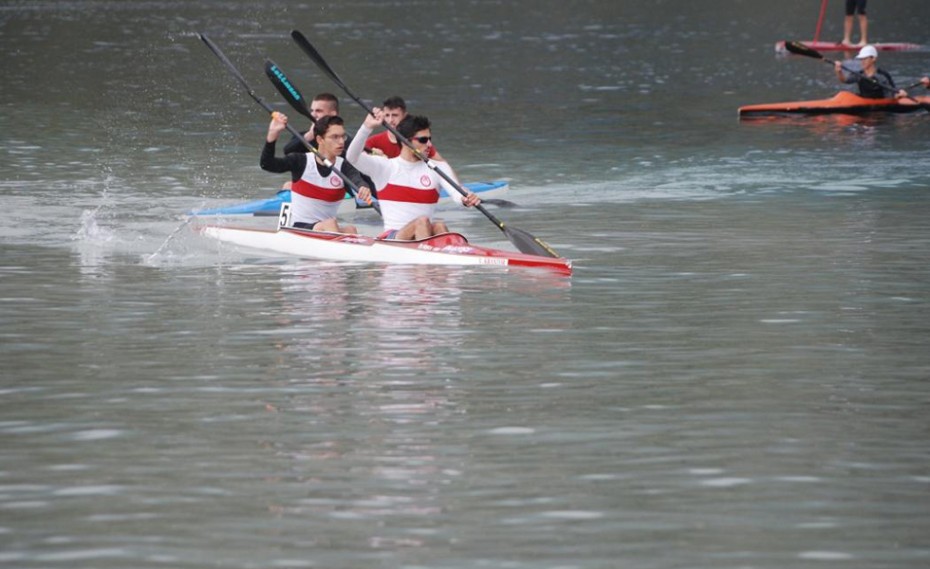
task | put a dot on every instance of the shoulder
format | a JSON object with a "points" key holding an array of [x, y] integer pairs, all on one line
{"points": [[376, 139]]}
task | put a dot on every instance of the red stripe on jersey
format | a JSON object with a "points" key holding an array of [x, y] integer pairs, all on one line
{"points": [[309, 190], [393, 192]]}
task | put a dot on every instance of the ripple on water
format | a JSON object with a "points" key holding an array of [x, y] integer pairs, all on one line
{"points": [[96, 434], [825, 555], [512, 431]]}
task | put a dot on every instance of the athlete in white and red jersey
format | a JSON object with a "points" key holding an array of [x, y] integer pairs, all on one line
{"points": [[407, 188], [395, 110], [317, 191]]}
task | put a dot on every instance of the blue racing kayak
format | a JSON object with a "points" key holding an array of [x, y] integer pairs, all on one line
{"points": [[271, 206]]}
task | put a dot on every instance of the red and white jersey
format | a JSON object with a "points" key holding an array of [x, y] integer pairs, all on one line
{"points": [[406, 190], [315, 197]]}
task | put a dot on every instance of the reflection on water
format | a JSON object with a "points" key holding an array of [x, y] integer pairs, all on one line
{"points": [[368, 413]]}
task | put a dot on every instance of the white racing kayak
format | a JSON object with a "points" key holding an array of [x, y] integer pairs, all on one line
{"points": [[442, 249]]}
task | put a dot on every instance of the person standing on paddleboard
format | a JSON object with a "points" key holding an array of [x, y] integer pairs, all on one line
{"points": [[854, 7], [873, 83], [316, 191], [408, 188]]}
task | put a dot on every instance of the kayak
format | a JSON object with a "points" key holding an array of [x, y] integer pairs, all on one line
{"points": [[442, 249], [271, 206], [843, 102], [837, 46]]}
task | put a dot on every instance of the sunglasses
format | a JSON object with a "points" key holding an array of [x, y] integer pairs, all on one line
{"points": [[423, 139]]}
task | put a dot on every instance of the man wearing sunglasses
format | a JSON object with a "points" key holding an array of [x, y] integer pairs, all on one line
{"points": [[407, 188]]}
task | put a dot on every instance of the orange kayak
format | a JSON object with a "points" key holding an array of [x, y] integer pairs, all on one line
{"points": [[843, 102]]}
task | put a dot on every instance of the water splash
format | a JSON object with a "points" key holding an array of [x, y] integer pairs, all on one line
{"points": [[90, 230], [154, 256]]}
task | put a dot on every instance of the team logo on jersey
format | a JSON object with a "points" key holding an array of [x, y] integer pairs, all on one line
{"points": [[335, 181], [425, 181]]}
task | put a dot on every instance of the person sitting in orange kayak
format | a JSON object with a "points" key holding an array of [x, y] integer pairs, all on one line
{"points": [[873, 83]]}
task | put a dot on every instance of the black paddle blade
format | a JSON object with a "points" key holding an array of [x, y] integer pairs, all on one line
{"points": [[286, 88], [235, 72], [799, 48], [222, 57], [311, 52], [527, 243]]}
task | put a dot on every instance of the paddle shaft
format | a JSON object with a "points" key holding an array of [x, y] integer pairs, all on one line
{"points": [[518, 237], [823, 11], [235, 72]]}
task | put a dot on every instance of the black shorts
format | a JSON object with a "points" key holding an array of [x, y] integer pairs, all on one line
{"points": [[855, 6]]}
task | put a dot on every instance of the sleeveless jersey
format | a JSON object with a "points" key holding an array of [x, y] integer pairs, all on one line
{"points": [[411, 191], [315, 197]]}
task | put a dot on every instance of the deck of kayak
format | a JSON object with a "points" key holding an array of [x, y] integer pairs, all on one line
{"points": [[443, 249]]}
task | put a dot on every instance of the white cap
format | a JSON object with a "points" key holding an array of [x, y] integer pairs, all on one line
{"points": [[867, 51]]}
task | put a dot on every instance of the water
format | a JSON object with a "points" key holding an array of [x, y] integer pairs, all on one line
{"points": [[735, 376]]}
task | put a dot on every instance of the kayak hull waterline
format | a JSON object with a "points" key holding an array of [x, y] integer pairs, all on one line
{"points": [[443, 249], [271, 206], [843, 102], [837, 46]]}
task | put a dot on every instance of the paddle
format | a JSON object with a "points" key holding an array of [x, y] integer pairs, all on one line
{"points": [[524, 241], [235, 72], [799, 48], [292, 95]]}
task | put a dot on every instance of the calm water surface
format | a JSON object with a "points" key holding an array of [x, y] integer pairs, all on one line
{"points": [[735, 377]]}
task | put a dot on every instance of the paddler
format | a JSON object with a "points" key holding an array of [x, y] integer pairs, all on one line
{"points": [[322, 105], [873, 83], [316, 191], [407, 188], [385, 143]]}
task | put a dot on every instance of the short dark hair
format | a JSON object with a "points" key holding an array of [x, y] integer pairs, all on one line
{"points": [[394, 102], [412, 124], [329, 98], [321, 126]]}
